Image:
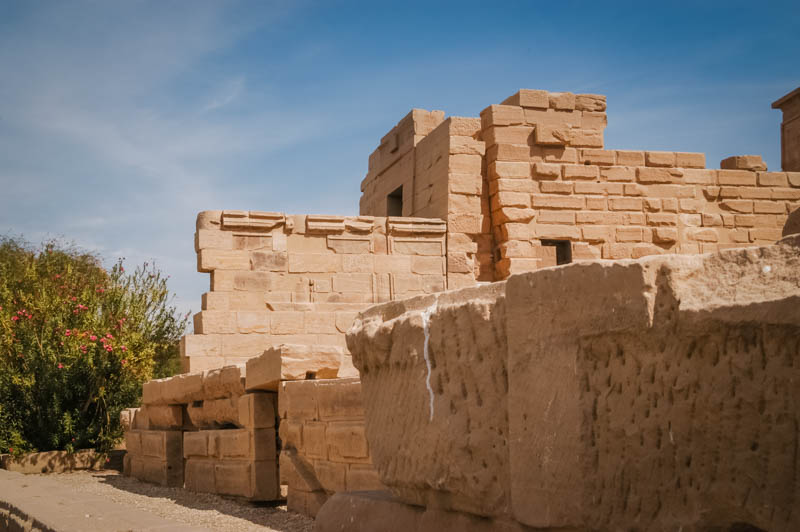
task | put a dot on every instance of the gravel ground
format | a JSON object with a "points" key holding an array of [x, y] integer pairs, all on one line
{"points": [[198, 509]]}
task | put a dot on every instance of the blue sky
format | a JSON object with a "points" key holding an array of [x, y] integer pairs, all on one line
{"points": [[119, 121]]}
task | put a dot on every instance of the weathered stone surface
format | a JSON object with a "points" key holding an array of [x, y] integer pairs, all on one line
{"points": [[378, 511], [438, 435], [292, 362], [792, 225], [52, 461], [649, 394]]}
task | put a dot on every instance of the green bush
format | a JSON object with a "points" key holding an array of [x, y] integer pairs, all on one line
{"points": [[76, 344]]}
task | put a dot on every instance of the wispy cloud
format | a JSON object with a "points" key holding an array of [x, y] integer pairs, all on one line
{"points": [[227, 92]]}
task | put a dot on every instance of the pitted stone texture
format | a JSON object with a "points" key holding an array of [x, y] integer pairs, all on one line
{"points": [[454, 457], [664, 400], [656, 394]]}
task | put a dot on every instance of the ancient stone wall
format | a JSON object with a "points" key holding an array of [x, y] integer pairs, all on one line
{"points": [[223, 430], [654, 394], [301, 279], [550, 180], [324, 448], [441, 175], [551, 194]]}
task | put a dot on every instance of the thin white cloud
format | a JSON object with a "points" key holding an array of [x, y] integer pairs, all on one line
{"points": [[227, 93]]}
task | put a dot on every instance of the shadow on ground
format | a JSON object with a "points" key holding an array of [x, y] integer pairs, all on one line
{"points": [[268, 514]]}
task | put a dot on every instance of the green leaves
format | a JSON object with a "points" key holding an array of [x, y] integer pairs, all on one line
{"points": [[76, 343]]}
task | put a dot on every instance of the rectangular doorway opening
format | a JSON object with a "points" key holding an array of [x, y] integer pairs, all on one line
{"points": [[563, 250], [394, 202]]}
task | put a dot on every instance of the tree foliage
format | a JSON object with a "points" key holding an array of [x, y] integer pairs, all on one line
{"points": [[76, 343]]}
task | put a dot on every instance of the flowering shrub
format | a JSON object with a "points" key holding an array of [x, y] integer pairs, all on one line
{"points": [[76, 344]]}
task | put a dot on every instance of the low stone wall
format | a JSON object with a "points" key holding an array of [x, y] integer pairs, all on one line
{"points": [[216, 431], [325, 449], [53, 461], [650, 394]]}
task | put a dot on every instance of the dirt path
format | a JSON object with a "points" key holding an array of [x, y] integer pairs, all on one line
{"points": [[197, 509]]}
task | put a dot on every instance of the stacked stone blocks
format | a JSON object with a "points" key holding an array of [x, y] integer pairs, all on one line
{"points": [[325, 450], [301, 279], [547, 182], [216, 431]]}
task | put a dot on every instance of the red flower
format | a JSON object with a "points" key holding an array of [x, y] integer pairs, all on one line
{"points": [[124, 348], [60, 365], [14, 318], [67, 332], [124, 361], [109, 336], [73, 298], [93, 338]]}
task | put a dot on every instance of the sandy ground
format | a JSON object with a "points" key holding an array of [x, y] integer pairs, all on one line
{"points": [[197, 509]]}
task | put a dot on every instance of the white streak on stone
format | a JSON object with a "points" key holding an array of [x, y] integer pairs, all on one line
{"points": [[426, 328]]}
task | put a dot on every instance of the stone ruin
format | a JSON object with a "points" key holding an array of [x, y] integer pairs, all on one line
{"points": [[651, 391]]}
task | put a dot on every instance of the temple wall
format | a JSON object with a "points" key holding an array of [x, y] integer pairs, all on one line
{"points": [[532, 186], [325, 449], [278, 278], [550, 180]]}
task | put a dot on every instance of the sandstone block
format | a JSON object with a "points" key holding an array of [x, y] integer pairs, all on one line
{"points": [[609, 397], [346, 441], [659, 158], [618, 173], [163, 444], [217, 259], [291, 362], [598, 157], [157, 471], [339, 399], [298, 400], [199, 476], [470, 397], [257, 410], [331, 475], [215, 322], [268, 261], [562, 100], [736, 177], [502, 115], [743, 162], [163, 417], [529, 98], [223, 382], [580, 171], [590, 102], [233, 478], [690, 160], [630, 158]]}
